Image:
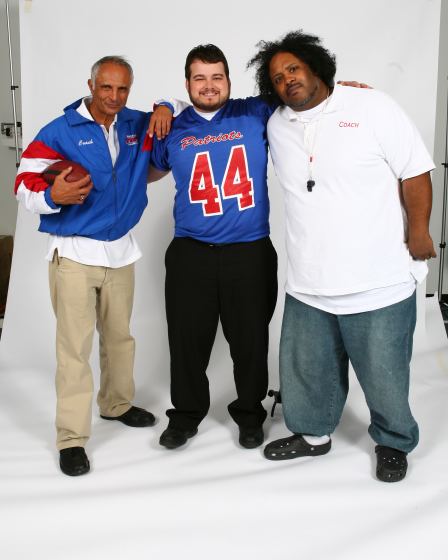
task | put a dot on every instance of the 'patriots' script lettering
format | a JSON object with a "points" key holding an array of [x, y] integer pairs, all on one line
{"points": [[193, 141]]}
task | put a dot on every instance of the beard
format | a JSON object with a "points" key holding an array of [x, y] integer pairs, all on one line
{"points": [[208, 107], [297, 105]]}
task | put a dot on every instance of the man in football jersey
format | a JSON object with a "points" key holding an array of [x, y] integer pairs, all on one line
{"points": [[345, 157], [221, 264], [91, 250]]}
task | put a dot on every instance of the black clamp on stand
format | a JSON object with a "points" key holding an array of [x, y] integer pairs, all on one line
{"points": [[277, 399]]}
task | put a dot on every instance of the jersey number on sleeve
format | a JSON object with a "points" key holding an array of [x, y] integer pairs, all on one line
{"points": [[236, 183]]}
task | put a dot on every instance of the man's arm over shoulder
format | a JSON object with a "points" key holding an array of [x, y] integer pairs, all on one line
{"points": [[163, 113], [259, 106]]}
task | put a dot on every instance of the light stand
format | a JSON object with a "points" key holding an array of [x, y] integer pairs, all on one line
{"points": [[442, 243], [13, 87]]}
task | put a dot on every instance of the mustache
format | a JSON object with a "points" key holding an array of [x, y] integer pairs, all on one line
{"points": [[209, 90], [292, 85]]}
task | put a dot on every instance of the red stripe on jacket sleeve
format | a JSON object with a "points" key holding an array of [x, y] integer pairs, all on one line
{"points": [[37, 149], [32, 181], [147, 144]]}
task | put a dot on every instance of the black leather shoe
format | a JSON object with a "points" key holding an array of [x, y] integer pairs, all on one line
{"points": [[172, 438], [293, 447], [73, 461], [251, 437], [391, 464], [135, 417]]}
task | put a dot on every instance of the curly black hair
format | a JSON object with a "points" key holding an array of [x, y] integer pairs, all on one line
{"points": [[306, 47], [205, 53]]}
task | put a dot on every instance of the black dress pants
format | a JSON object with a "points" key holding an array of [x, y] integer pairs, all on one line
{"points": [[237, 284]]}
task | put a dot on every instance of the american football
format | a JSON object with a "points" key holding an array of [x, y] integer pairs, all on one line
{"points": [[50, 173]]}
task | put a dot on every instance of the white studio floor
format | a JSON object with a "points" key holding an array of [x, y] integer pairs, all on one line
{"points": [[215, 500]]}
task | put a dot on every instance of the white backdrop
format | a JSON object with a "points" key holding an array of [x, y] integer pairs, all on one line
{"points": [[390, 44]]}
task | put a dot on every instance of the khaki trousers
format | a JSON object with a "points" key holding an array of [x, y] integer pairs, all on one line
{"points": [[83, 295]]}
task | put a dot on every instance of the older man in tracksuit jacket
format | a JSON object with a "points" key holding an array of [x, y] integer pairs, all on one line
{"points": [[91, 250]]}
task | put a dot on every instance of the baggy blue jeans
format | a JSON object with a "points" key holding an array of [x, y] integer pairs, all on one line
{"points": [[315, 349]]}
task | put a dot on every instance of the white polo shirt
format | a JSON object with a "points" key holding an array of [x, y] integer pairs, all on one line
{"points": [[346, 238]]}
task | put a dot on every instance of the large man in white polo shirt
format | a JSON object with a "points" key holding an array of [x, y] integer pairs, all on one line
{"points": [[349, 161]]}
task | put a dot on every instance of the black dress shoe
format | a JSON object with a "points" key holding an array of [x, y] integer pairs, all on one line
{"points": [[251, 437], [391, 464], [135, 417], [293, 447], [172, 438], [73, 461]]}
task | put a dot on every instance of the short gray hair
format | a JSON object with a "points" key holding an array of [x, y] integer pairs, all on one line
{"points": [[120, 60]]}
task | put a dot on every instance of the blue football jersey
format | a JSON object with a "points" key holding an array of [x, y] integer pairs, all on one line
{"points": [[220, 170]]}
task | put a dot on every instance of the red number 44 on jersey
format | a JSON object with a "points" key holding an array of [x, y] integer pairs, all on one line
{"points": [[236, 183]]}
